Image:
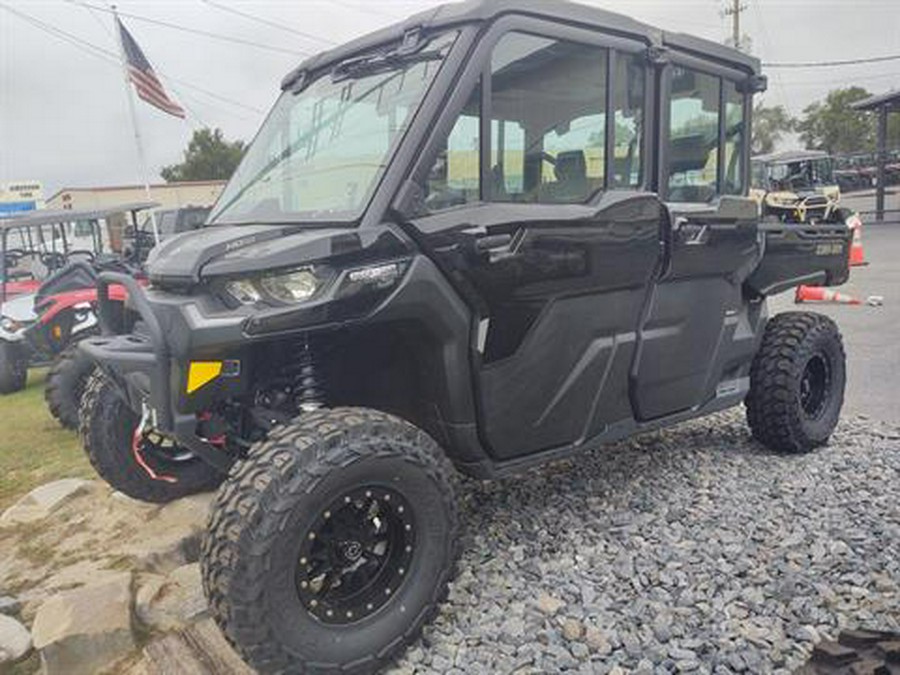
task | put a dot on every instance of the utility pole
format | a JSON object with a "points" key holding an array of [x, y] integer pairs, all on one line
{"points": [[735, 13]]}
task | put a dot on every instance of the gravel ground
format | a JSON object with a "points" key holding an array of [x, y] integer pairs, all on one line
{"points": [[692, 549]]}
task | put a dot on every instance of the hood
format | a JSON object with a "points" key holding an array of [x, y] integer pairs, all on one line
{"points": [[238, 250], [20, 309]]}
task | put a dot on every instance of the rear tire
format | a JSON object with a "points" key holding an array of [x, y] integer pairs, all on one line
{"points": [[797, 383], [140, 470], [65, 385], [13, 368], [291, 563]]}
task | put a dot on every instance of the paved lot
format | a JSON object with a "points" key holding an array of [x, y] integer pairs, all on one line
{"points": [[871, 334]]}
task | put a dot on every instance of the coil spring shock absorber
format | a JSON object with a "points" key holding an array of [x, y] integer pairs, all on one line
{"points": [[309, 394]]}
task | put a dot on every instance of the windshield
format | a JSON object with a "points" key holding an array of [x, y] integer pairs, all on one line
{"points": [[321, 152]]}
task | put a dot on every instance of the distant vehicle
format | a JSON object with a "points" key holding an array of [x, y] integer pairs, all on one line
{"points": [[797, 186], [170, 222], [49, 262]]}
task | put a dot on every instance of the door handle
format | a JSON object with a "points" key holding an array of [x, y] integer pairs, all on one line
{"points": [[493, 243], [495, 247], [692, 234]]}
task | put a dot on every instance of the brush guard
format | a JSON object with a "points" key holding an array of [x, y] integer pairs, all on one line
{"points": [[139, 363]]}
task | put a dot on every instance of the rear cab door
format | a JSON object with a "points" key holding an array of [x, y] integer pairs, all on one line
{"points": [[690, 346]]}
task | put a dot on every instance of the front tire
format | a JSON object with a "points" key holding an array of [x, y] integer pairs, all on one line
{"points": [[144, 467], [331, 545], [13, 368], [66, 383], [797, 383]]}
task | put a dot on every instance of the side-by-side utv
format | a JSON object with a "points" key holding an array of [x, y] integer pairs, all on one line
{"points": [[494, 235], [49, 262], [797, 186]]}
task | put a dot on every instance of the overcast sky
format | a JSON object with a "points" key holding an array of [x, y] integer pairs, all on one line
{"points": [[64, 116]]}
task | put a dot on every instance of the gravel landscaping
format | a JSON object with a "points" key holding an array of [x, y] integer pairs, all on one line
{"points": [[692, 549]]}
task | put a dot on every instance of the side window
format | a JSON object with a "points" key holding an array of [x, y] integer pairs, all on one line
{"points": [[548, 109], [734, 140], [628, 102], [693, 136], [455, 177]]}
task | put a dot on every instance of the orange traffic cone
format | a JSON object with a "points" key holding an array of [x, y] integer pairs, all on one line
{"points": [[857, 254], [819, 294]]}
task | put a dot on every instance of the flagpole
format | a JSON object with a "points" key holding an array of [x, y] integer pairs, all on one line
{"points": [[134, 125]]}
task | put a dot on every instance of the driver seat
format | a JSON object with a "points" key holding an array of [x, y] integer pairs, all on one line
{"points": [[571, 177]]}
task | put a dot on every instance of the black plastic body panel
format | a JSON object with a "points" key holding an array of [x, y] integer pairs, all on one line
{"points": [[801, 254]]}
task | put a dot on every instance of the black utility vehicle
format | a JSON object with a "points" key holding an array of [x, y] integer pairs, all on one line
{"points": [[489, 237]]}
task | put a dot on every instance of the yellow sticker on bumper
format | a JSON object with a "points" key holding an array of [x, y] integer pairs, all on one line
{"points": [[202, 373]]}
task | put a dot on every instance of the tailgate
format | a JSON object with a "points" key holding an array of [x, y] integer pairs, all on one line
{"points": [[794, 254]]}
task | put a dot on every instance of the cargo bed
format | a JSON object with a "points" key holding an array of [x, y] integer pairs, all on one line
{"points": [[794, 254]]}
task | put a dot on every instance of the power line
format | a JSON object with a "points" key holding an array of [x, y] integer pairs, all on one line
{"points": [[194, 31], [266, 22], [113, 58], [829, 64]]}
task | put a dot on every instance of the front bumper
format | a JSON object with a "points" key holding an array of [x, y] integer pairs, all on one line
{"points": [[141, 364]]}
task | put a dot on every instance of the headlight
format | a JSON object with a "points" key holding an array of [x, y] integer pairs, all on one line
{"points": [[297, 286], [9, 325], [290, 287]]}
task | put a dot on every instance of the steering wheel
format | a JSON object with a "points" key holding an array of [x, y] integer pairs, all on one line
{"points": [[86, 255], [53, 260], [13, 257]]}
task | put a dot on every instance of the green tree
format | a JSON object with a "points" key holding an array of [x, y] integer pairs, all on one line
{"points": [[833, 126], [208, 157], [769, 127]]}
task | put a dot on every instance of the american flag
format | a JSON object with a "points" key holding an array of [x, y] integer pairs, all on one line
{"points": [[140, 72]]}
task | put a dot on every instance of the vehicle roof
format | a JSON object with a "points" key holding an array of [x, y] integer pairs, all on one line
{"points": [[51, 216], [790, 156], [563, 11]]}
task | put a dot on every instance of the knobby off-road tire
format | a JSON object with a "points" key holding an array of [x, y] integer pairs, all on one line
{"points": [[300, 489], [66, 381], [797, 383], [107, 427], [856, 651], [13, 368]]}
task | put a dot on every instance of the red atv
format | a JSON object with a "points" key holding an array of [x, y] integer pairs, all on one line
{"points": [[49, 270]]}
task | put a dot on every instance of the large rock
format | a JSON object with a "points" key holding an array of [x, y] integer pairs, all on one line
{"points": [[87, 629], [199, 649], [44, 500], [15, 640], [173, 538], [171, 602]]}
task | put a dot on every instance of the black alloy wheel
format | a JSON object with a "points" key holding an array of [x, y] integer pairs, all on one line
{"points": [[356, 555]]}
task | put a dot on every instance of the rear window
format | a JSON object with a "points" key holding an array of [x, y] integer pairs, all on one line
{"points": [[706, 137]]}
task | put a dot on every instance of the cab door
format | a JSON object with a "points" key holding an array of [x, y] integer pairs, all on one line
{"points": [[535, 208], [687, 342]]}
